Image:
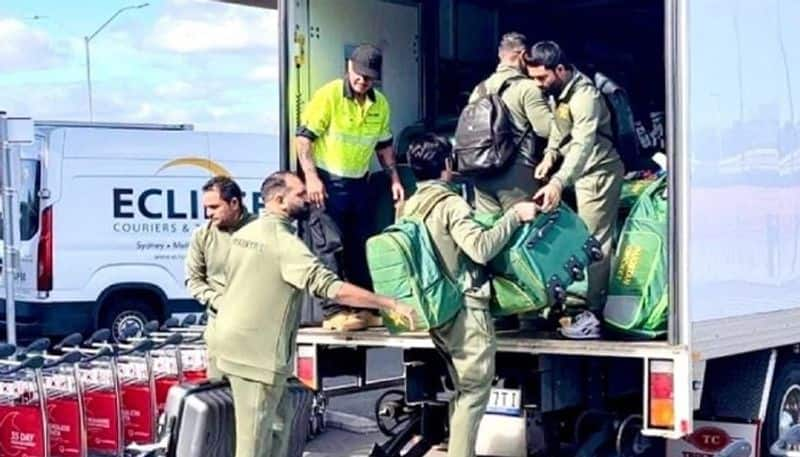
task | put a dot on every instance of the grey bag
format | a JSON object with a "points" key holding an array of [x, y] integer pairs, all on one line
{"points": [[200, 420]]}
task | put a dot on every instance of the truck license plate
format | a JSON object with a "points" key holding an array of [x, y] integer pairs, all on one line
{"points": [[505, 401]]}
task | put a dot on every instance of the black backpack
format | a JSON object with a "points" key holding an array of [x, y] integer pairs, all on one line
{"points": [[622, 122], [485, 138]]}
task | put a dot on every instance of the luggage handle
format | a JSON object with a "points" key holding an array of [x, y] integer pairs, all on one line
{"points": [[552, 218]]}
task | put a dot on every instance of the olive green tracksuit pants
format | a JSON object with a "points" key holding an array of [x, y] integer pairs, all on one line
{"points": [[468, 345], [211, 370], [263, 417], [499, 193], [597, 197]]}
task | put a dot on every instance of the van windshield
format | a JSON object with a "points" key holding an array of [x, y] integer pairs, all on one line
{"points": [[28, 200]]}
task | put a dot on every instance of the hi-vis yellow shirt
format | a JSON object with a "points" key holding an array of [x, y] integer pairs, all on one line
{"points": [[346, 133]]}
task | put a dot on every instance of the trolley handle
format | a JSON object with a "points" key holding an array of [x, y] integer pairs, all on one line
{"points": [[69, 358], [31, 363], [7, 350]]}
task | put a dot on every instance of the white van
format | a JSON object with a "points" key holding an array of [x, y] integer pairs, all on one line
{"points": [[107, 211]]}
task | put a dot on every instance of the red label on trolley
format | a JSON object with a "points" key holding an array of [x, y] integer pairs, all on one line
{"points": [[195, 376], [21, 431], [138, 414], [162, 389], [64, 421], [102, 421]]}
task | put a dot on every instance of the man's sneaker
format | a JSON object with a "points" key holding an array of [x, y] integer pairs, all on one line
{"points": [[371, 319], [344, 321], [584, 326]]}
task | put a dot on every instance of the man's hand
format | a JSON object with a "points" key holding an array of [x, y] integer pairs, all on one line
{"points": [[544, 167], [550, 195], [398, 193], [406, 313], [526, 211], [316, 191]]}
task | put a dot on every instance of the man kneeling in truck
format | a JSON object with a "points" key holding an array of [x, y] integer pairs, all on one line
{"points": [[467, 342]]}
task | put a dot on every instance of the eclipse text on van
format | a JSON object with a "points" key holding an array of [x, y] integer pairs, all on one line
{"points": [[164, 209]]}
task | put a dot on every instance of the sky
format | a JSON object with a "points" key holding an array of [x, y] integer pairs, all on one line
{"points": [[199, 62]]}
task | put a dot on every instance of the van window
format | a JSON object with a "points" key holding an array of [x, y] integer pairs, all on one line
{"points": [[28, 200]]}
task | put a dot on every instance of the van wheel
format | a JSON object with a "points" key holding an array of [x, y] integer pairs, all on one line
{"points": [[784, 404], [122, 312]]}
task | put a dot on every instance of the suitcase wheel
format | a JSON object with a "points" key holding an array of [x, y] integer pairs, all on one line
{"points": [[593, 249], [556, 290], [574, 268]]}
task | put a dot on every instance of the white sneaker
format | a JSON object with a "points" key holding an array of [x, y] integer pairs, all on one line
{"points": [[584, 326]]}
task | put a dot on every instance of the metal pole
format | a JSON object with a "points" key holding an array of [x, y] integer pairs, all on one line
{"points": [[9, 249], [89, 38], [89, 78]]}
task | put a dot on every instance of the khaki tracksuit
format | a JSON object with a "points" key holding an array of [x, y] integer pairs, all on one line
{"points": [[582, 136], [205, 273], [268, 269], [531, 117], [467, 341]]}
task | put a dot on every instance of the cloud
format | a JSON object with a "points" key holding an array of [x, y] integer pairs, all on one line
{"points": [[134, 103], [175, 89], [25, 48], [215, 27], [267, 72]]}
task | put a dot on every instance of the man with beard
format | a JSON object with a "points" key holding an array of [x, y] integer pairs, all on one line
{"points": [[582, 137], [208, 249], [531, 119], [268, 268], [347, 121]]}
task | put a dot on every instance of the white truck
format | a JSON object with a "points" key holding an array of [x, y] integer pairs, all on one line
{"points": [[725, 79], [107, 210]]}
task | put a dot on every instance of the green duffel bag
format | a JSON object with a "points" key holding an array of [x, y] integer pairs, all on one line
{"points": [[637, 299], [404, 264], [542, 259]]}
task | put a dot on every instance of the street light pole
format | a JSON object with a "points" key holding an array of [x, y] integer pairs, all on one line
{"points": [[88, 39]]}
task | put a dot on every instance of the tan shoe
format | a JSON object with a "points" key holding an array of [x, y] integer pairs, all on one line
{"points": [[344, 321], [371, 319]]}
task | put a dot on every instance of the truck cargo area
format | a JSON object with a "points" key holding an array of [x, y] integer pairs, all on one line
{"points": [[732, 206]]}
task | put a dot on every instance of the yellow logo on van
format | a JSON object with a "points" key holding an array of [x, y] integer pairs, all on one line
{"points": [[209, 165]]}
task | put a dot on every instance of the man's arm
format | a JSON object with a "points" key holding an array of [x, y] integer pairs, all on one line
{"points": [[315, 122], [301, 269], [536, 109], [386, 156], [388, 161], [585, 109], [554, 141], [195, 269], [479, 243], [304, 147]]}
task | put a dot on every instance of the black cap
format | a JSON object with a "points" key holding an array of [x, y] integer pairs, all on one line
{"points": [[367, 61]]}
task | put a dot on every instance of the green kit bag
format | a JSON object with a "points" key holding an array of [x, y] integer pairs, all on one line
{"points": [[637, 299], [404, 265], [542, 259]]}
